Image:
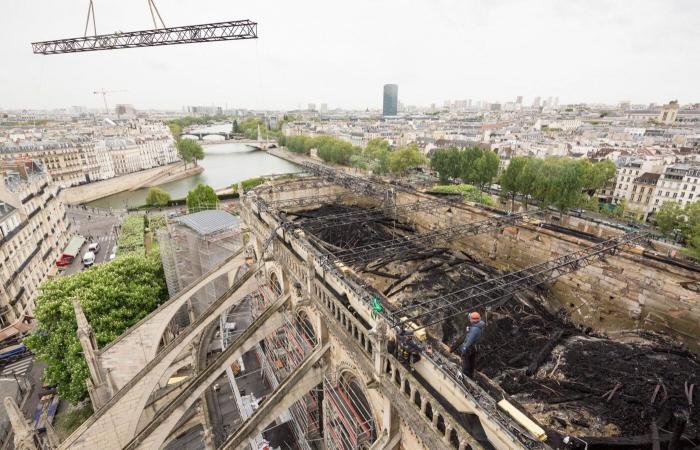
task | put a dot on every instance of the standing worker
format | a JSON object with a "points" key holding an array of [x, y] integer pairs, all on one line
{"points": [[470, 347]]}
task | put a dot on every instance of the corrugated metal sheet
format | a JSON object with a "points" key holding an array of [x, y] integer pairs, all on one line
{"points": [[210, 222]]}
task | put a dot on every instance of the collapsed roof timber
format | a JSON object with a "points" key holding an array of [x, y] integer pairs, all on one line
{"points": [[569, 378]]}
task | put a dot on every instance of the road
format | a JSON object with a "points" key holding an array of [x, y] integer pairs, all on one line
{"points": [[100, 226]]}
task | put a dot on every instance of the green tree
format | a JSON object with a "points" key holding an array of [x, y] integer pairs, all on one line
{"points": [[485, 168], [406, 157], [175, 130], [509, 179], [114, 296], [448, 163], [693, 249], [235, 129], [201, 197], [567, 183], [691, 224], [468, 170], [189, 150], [669, 217], [359, 161], [157, 197], [377, 155], [527, 181]]}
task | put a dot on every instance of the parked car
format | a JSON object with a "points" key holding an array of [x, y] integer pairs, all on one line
{"points": [[88, 259], [94, 247]]}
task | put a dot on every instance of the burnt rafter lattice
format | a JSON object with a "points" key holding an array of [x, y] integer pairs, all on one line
{"points": [[499, 290], [366, 253], [317, 224], [210, 32], [358, 185], [303, 202]]}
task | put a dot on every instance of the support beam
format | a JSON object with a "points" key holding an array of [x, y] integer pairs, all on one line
{"points": [[116, 423], [500, 289], [208, 32], [24, 436], [127, 355], [307, 375], [155, 432]]}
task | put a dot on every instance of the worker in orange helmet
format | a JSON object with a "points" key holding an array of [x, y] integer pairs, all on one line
{"points": [[470, 347]]}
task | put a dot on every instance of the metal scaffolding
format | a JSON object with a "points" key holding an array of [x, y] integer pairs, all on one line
{"points": [[358, 185], [279, 354], [404, 246], [347, 423], [208, 32], [317, 224], [498, 290]]}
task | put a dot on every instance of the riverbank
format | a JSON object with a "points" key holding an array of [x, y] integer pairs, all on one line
{"points": [[105, 188], [224, 165], [177, 173]]}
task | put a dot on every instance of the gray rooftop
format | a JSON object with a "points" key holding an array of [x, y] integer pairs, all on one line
{"points": [[210, 221]]}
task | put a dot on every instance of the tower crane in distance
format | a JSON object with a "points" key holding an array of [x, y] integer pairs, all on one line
{"points": [[104, 96]]}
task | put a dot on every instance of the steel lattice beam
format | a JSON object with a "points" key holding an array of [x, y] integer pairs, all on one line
{"points": [[311, 200], [359, 185], [366, 215], [369, 252], [499, 290], [210, 32]]}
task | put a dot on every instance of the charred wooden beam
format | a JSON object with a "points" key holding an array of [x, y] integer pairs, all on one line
{"points": [[544, 352]]}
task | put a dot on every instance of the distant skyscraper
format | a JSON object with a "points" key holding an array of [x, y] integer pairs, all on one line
{"points": [[324, 108], [536, 102], [391, 99], [519, 101], [311, 107], [556, 102]]}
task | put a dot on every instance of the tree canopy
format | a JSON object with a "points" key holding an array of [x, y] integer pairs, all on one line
{"points": [[113, 295], [562, 182], [157, 197], [681, 223], [189, 150], [472, 165], [406, 157], [202, 197], [131, 233]]}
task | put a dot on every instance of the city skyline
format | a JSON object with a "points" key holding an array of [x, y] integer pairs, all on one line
{"points": [[593, 53]]}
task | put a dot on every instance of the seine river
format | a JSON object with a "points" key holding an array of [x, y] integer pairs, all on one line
{"points": [[224, 164]]}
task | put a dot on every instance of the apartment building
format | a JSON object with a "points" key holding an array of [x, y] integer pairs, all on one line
{"points": [[680, 183], [627, 174], [125, 155], [34, 230], [64, 161]]}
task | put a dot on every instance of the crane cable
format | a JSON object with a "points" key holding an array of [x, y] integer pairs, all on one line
{"points": [[91, 12], [151, 6]]}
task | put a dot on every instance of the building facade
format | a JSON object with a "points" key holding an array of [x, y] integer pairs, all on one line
{"points": [[34, 231], [391, 100]]}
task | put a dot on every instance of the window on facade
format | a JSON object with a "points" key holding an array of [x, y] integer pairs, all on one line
{"points": [[675, 194]]}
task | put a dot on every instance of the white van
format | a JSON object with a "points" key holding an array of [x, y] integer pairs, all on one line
{"points": [[88, 259]]}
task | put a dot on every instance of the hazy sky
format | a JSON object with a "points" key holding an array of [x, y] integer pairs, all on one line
{"points": [[341, 53]]}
